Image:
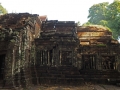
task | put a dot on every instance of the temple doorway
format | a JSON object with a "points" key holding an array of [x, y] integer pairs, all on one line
{"points": [[108, 62], [2, 64], [89, 61], [66, 58]]}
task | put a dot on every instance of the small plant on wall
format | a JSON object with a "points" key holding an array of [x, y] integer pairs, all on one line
{"points": [[101, 45]]}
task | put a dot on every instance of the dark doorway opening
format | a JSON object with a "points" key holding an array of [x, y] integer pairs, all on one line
{"points": [[89, 61], [66, 58], [50, 56], [2, 64], [108, 62]]}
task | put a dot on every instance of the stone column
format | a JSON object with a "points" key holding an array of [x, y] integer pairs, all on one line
{"points": [[45, 57], [13, 64], [53, 58], [60, 56], [72, 57], [43, 60], [48, 59], [41, 57]]}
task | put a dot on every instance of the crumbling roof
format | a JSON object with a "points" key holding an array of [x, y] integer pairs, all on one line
{"points": [[92, 28], [16, 20], [43, 18], [58, 28]]}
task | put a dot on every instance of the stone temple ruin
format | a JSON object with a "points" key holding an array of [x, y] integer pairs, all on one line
{"points": [[34, 50]]}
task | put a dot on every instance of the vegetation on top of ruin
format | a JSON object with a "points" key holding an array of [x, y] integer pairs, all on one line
{"points": [[107, 15], [98, 27], [2, 10], [102, 45]]}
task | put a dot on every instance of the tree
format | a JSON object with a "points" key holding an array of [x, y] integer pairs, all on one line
{"points": [[2, 10], [107, 15], [87, 23], [97, 12], [78, 23], [113, 10], [114, 17]]}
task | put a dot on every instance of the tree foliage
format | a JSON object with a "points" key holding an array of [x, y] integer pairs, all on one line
{"points": [[2, 10], [87, 23], [97, 12], [78, 23], [107, 15]]}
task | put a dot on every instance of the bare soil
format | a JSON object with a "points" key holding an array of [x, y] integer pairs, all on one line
{"points": [[87, 86]]}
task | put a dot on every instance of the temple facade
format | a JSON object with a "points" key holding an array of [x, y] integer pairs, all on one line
{"points": [[57, 44], [97, 50], [17, 33], [34, 50]]}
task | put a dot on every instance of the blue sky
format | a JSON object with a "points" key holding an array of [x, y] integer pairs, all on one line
{"points": [[72, 10]]}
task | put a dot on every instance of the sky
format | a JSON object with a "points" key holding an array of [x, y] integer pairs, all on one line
{"points": [[62, 10]]}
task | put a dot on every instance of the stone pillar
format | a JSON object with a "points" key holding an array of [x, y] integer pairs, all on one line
{"points": [[60, 57], [56, 57], [72, 57], [45, 57], [41, 57], [53, 58], [48, 55], [99, 62], [115, 63], [9, 78], [13, 64], [75, 56]]}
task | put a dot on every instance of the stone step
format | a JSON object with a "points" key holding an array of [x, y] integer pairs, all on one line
{"points": [[42, 67], [97, 76], [99, 72], [56, 75], [43, 75], [5, 88], [54, 72], [59, 72], [34, 80], [76, 76], [70, 72], [54, 80], [72, 68], [94, 70], [73, 76]]}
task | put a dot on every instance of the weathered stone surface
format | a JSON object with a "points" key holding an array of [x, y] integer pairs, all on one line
{"points": [[36, 51]]}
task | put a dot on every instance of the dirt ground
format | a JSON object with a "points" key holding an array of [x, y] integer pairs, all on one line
{"points": [[80, 87], [86, 86]]}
